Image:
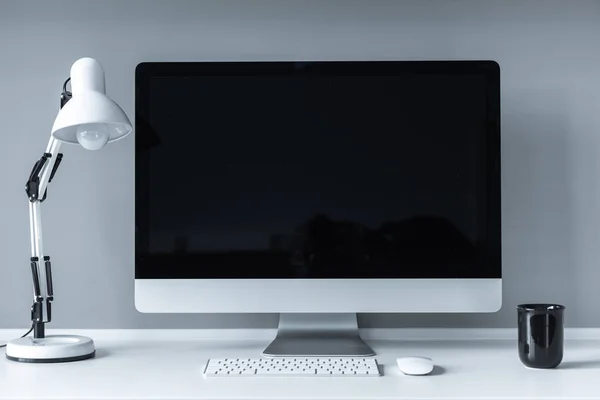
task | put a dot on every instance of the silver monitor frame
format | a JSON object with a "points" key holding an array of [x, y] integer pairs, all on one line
{"points": [[317, 295]]}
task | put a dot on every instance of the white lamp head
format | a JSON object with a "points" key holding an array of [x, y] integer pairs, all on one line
{"points": [[90, 118]]}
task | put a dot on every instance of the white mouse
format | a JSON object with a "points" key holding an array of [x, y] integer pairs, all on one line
{"points": [[415, 365]]}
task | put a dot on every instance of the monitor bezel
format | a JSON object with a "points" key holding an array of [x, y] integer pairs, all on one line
{"points": [[490, 69]]}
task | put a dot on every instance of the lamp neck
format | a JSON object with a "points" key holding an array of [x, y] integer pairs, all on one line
{"points": [[87, 75]]}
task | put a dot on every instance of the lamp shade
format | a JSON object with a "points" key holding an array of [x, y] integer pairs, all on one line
{"points": [[90, 118]]}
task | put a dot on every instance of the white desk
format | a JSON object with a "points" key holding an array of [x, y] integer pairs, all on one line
{"points": [[168, 365]]}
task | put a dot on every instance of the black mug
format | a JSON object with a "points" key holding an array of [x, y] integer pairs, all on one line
{"points": [[541, 334]]}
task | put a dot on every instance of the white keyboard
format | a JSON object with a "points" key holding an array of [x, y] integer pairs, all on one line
{"points": [[292, 366]]}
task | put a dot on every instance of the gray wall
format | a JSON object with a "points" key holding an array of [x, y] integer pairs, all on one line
{"points": [[550, 58]]}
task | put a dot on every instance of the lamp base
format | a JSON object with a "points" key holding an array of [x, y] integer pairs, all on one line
{"points": [[51, 349]]}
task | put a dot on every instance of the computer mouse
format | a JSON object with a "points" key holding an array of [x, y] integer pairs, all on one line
{"points": [[415, 365]]}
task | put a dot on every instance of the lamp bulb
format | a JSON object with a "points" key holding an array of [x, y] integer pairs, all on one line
{"points": [[92, 136]]}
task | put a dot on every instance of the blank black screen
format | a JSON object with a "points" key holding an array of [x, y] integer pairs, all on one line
{"points": [[317, 170]]}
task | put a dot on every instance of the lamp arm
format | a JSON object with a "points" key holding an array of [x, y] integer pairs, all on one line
{"points": [[43, 294]]}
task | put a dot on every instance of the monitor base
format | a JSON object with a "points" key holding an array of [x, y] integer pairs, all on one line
{"points": [[318, 335]]}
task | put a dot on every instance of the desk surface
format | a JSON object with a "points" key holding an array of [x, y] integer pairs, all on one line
{"points": [[150, 365]]}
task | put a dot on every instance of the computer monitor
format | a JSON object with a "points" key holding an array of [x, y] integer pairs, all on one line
{"points": [[318, 190]]}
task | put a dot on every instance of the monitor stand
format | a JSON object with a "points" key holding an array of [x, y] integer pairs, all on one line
{"points": [[310, 335]]}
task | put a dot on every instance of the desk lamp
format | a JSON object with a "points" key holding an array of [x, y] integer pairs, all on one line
{"points": [[88, 117]]}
